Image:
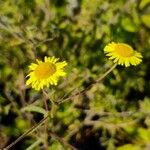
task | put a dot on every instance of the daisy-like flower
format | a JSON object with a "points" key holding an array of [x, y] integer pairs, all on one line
{"points": [[44, 74], [123, 54]]}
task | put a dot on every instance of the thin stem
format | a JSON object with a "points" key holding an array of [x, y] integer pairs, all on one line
{"points": [[61, 140], [106, 73], [32, 129], [46, 122], [31, 147], [45, 101], [84, 90], [53, 105]]}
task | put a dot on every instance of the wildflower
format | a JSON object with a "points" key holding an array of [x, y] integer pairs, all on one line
{"points": [[44, 74], [123, 54]]}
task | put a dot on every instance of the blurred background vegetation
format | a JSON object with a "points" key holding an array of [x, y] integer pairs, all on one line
{"points": [[112, 115]]}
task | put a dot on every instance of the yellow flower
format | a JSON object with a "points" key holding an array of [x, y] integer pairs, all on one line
{"points": [[122, 54], [44, 74]]}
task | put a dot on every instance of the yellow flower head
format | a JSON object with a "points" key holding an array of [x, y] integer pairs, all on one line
{"points": [[123, 54], [44, 74]]}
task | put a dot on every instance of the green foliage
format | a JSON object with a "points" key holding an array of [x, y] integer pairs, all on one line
{"points": [[115, 112]]}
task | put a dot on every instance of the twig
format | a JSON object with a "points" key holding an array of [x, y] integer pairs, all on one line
{"points": [[92, 113], [61, 140], [84, 90], [46, 122], [32, 129], [31, 147]]}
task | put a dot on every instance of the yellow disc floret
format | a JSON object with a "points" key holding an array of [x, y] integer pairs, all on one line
{"points": [[44, 70], [124, 50]]}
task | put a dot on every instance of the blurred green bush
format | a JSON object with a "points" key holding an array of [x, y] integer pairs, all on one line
{"points": [[113, 114]]}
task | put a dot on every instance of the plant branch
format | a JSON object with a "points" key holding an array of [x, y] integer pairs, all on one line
{"points": [[84, 90], [32, 129], [61, 140]]}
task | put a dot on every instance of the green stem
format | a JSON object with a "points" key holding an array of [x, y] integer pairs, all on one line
{"points": [[26, 133], [46, 122], [53, 105], [84, 90], [106, 73], [31, 147]]}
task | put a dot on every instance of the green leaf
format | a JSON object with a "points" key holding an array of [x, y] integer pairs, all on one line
{"points": [[146, 20], [145, 105], [144, 134], [32, 108], [129, 25], [143, 3], [128, 147]]}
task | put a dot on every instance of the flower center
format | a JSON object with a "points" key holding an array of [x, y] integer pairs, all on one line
{"points": [[44, 70], [124, 50]]}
